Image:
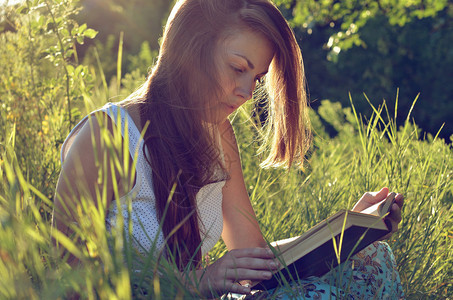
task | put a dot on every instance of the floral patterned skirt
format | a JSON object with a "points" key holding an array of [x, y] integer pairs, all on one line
{"points": [[370, 274]]}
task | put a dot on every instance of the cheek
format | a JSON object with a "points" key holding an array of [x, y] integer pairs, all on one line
{"points": [[227, 81]]}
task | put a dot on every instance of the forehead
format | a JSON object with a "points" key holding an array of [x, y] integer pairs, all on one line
{"points": [[252, 45]]}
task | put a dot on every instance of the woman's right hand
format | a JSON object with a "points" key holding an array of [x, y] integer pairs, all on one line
{"points": [[224, 275]]}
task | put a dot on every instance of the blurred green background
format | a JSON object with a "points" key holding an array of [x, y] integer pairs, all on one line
{"points": [[367, 47]]}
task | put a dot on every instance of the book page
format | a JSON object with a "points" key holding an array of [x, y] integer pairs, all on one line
{"points": [[282, 245]]}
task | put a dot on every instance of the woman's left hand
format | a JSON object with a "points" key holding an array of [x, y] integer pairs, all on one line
{"points": [[370, 198]]}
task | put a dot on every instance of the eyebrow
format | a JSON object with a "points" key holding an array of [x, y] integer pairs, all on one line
{"points": [[249, 63], [251, 66]]}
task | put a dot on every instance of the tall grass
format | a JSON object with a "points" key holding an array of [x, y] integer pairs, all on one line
{"points": [[366, 156], [367, 153]]}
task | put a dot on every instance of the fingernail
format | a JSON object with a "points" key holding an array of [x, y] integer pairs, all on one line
{"points": [[269, 251], [273, 265], [267, 274]]}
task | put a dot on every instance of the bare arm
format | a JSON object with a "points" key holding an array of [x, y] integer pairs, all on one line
{"points": [[86, 178], [247, 259], [240, 229]]}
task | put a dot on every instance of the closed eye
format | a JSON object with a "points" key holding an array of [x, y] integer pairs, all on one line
{"points": [[237, 70]]}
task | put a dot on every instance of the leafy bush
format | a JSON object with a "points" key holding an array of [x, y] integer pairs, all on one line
{"points": [[377, 47]]}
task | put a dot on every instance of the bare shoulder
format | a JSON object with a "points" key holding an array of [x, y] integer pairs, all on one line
{"points": [[133, 110], [86, 158], [88, 139]]}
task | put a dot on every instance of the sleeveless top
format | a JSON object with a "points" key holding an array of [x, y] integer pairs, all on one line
{"points": [[146, 232]]}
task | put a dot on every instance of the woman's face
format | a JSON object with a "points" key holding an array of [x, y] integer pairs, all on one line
{"points": [[243, 59]]}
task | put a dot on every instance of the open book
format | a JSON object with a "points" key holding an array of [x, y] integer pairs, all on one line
{"points": [[329, 243]]}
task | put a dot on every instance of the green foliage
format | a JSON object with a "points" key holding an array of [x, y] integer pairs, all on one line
{"points": [[103, 55], [143, 60], [140, 20], [41, 83], [379, 53], [104, 68], [350, 16]]}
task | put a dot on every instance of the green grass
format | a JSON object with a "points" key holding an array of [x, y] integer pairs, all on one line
{"points": [[34, 120], [361, 157], [366, 157]]}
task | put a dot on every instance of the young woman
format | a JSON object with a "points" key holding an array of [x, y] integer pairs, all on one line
{"points": [[188, 174]]}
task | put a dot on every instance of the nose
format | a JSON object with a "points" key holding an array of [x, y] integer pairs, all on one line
{"points": [[245, 89]]}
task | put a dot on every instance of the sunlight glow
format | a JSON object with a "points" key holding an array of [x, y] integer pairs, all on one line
{"points": [[9, 2]]}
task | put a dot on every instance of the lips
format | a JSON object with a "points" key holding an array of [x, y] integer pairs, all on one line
{"points": [[230, 108]]}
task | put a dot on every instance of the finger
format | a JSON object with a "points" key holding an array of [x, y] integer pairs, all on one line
{"points": [[252, 252], [399, 200], [375, 197], [394, 217], [253, 263], [225, 286], [248, 274], [395, 213], [394, 227], [370, 198], [237, 288], [379, 196]]}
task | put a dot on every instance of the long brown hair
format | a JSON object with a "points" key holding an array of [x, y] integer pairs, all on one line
{"points": [[182, 151]]}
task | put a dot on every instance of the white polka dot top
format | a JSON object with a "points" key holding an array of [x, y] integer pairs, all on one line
{"points": [[146, 233]]}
